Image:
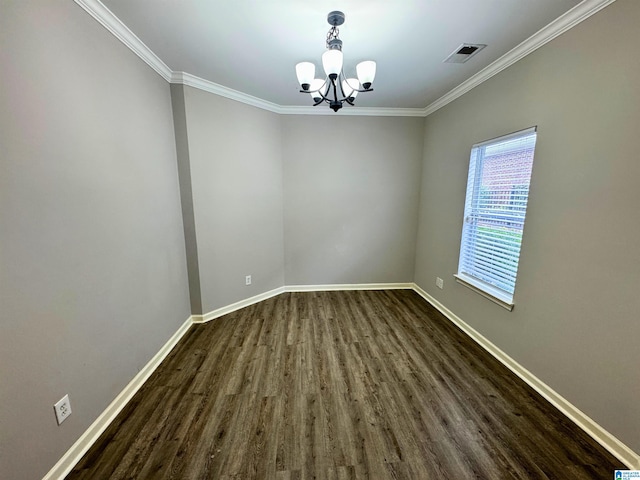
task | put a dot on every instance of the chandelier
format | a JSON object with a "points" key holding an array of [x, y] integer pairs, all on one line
{"points": [[335, 89]]}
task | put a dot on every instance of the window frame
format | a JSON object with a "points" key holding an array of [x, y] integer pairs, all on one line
{"points": [[473, 195]]}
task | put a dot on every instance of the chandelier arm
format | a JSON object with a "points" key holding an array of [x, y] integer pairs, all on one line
{"points": [[327, 90], [323, 96], [342, 78], [319, 90], [338, 84], [335, 90]]}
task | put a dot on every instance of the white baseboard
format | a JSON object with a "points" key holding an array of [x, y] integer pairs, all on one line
{"points": [[349, 286], [599, 434], [89, 437], [238, 305], [297, 288]]}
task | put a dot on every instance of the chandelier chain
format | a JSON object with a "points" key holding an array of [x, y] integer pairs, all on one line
{"points": [[332, 34]]}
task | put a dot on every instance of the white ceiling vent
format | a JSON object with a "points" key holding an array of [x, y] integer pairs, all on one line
{"points": [[464, 52]]}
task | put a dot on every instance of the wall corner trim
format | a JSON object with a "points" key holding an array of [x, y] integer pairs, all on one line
{"points": [[69, 460], [627, 456]]}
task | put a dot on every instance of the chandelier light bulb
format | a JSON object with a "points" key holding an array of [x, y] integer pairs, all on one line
{"points": [[366, 73], [305, 72], [332, 63]]}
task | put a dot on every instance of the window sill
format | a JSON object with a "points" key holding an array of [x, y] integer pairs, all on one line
{"points": [[486, 290]]}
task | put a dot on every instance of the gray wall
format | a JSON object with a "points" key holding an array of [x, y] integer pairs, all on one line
{"points": [[350, 217], [575, 324], [235, 155], [351, 192], [92, 258]]}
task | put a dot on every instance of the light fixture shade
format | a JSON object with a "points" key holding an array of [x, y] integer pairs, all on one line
{"points": [[316, 84], [350, 87], [332, 62], [305, 72], [366, 72]]}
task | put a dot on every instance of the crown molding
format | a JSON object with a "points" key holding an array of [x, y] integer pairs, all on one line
{"points": [[185, 78], [570, 19], [211, 87], [108, 20]]}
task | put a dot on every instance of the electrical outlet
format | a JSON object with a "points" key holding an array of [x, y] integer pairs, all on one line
{"points": [[247, 280], [439, 283], [62, 409]]}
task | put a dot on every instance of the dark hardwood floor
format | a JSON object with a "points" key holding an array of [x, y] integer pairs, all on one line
{"points": [[339, 385]]}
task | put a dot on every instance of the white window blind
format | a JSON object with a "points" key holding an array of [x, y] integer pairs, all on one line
{"points": [[494, 214]]}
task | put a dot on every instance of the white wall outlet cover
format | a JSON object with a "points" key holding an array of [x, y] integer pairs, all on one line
{"points": [[62, 409], [247, 280], [439, 282]]}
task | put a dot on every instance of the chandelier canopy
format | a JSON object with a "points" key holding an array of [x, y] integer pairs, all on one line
{"points": [[335, 88]]}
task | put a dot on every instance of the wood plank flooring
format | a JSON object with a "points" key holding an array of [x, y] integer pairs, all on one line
{"points": [[339, 385]]}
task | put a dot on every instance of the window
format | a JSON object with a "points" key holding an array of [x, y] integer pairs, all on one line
{"points": [[494, 212]]}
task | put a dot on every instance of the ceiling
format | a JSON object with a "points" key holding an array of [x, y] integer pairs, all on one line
{"points": [[252, 46]]}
